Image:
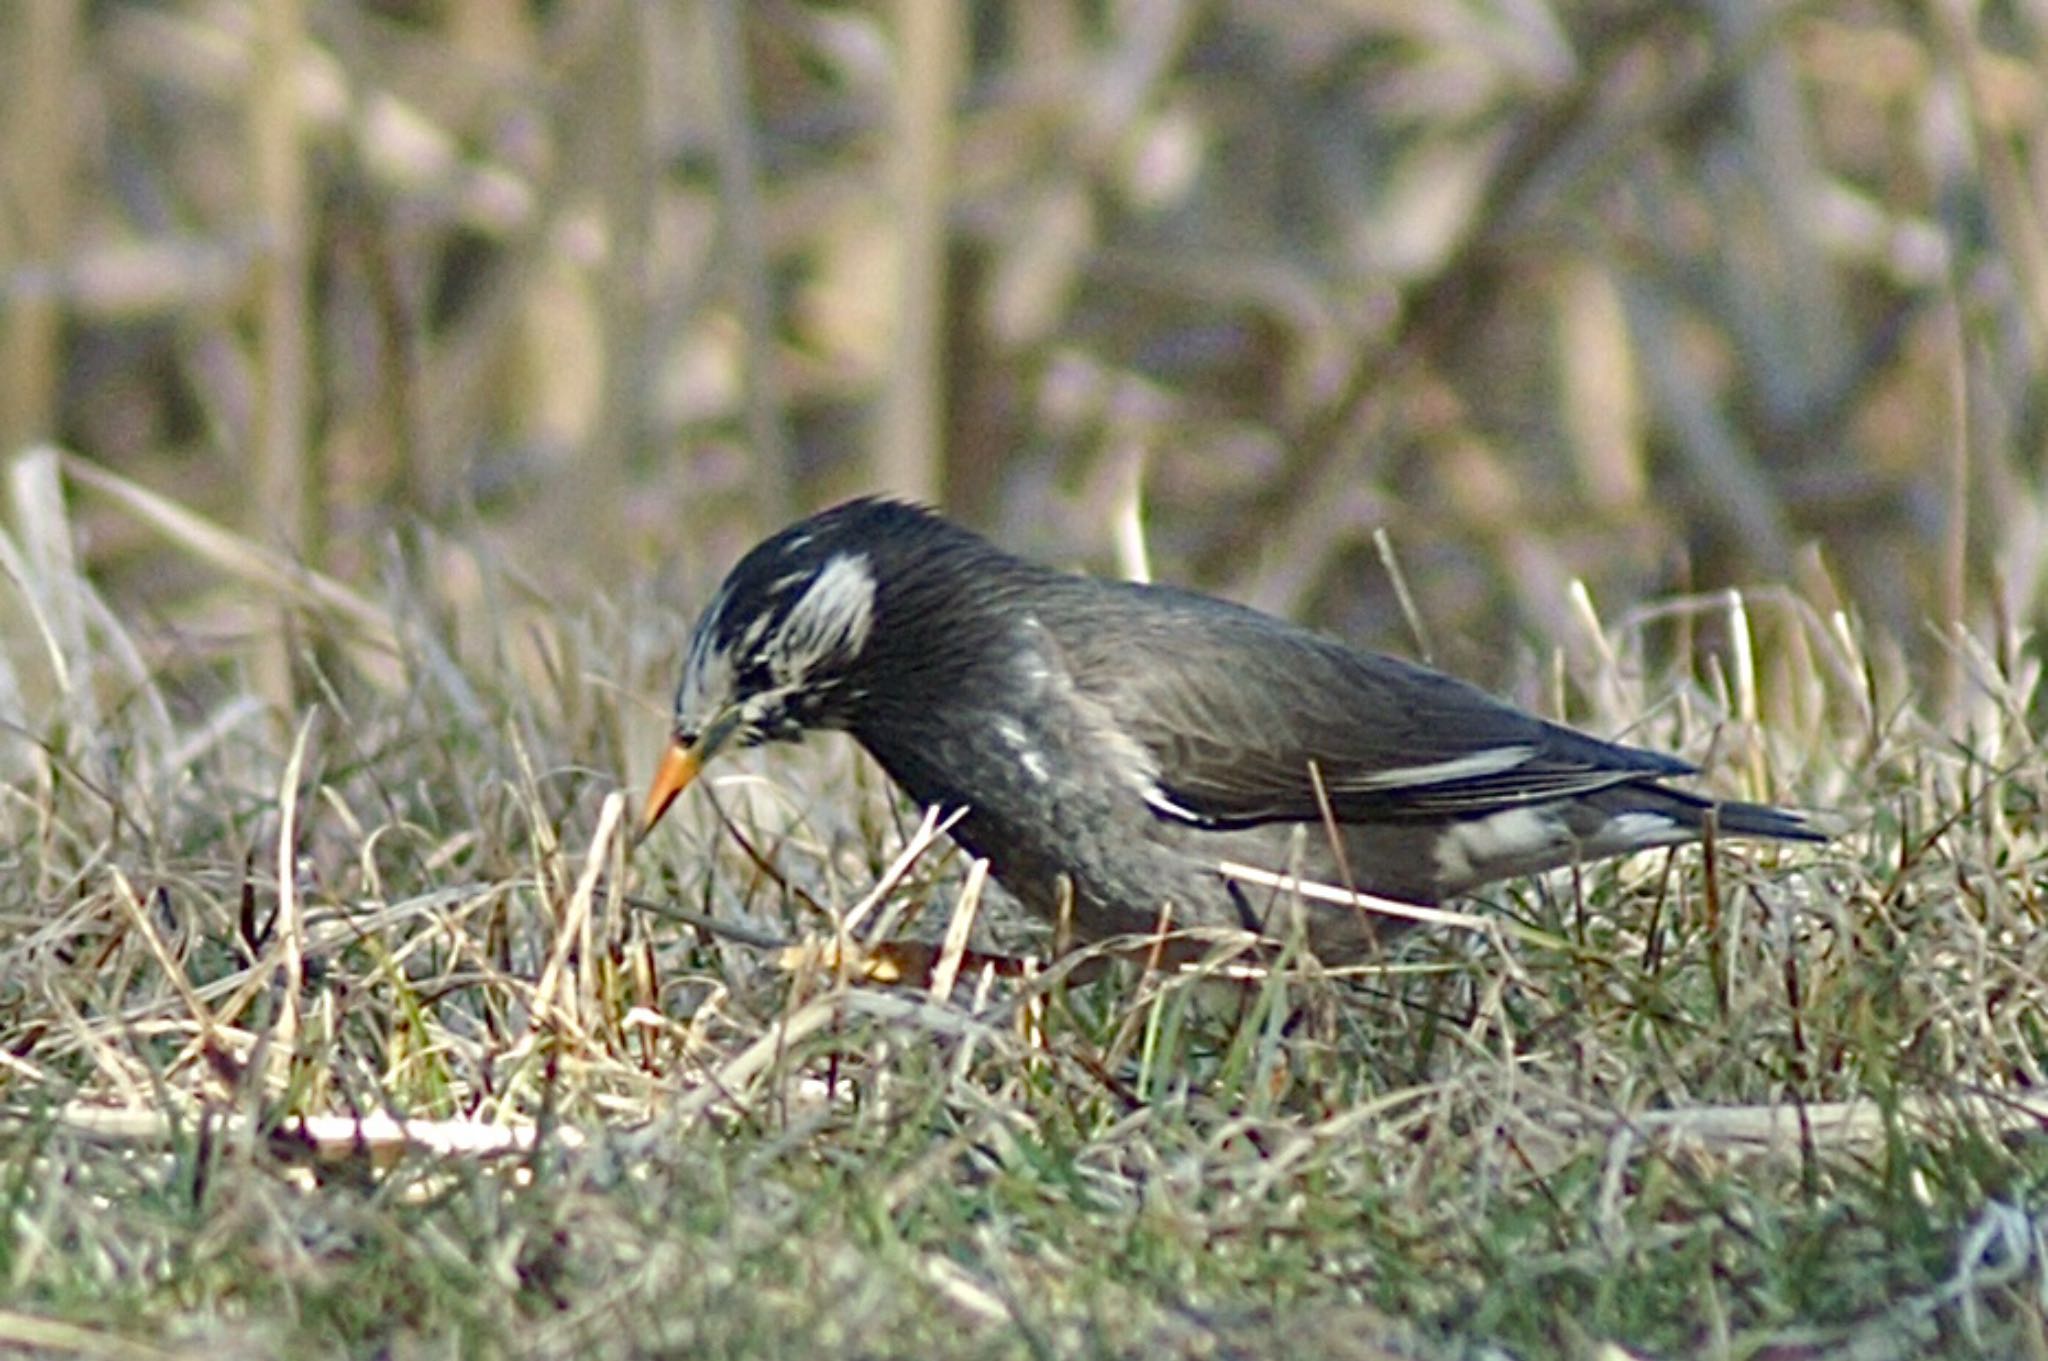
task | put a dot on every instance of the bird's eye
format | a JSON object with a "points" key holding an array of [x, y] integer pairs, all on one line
{"points": [[755, 676]]}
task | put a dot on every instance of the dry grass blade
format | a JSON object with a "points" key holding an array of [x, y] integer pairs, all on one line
{"points": [[14, 693], [291, 917], [50, 570], [958, 929], [1390, 907], [552, 1000], [936, 823], [254, 566], [329, 1138], [52, 1337], [1785, 1130], [733, 1078]]}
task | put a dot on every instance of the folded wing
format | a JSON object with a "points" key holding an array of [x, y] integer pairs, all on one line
{"points": [[1243, 716]]}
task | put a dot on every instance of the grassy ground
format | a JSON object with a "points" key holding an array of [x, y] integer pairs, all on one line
{"points": [[1776, 1104], [420, 366]]}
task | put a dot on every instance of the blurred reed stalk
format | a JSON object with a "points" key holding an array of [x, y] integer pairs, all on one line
{"points": [[283, 512], [615, 155], [37, 221], [745, 233], [908, 454]]}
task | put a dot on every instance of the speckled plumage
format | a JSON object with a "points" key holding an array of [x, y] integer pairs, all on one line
{"points": [[1122, 740]]}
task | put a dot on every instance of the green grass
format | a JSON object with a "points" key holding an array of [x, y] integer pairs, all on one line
{"points": [[1542, 1146]]}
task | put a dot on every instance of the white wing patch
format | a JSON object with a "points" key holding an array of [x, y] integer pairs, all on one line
{"points": [[1161, 802], [1028, 755], [1489, 761], [833, 617]]}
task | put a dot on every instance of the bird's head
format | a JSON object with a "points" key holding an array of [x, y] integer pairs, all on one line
{"points": [[777, 651]]}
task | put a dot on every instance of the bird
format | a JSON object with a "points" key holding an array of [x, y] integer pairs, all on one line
{"points": [[1109, 746]]}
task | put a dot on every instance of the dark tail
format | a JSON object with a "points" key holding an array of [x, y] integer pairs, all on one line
{"points": [[1733, 818], [1684, 817]]}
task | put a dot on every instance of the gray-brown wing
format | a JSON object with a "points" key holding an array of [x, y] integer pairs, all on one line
{"points": [[1236, 708]]}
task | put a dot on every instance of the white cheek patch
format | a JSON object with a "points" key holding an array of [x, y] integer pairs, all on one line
{"points": [[751, 635], [707, 678], [833, 617]]}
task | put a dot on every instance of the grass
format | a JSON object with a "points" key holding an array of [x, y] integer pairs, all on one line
{"points": [[391, 341], [1780, 1108]]}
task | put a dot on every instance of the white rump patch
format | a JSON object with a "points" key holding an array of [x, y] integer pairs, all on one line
{"points": [[1505, 838], [1489, 761], [833, 616], [1634, 831]]}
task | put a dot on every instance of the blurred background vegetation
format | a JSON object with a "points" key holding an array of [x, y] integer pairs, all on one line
{"points": [[1664, 297], [383, 387]]}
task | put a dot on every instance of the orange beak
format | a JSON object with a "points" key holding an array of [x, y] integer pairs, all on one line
{"points": [[679, 765]]}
